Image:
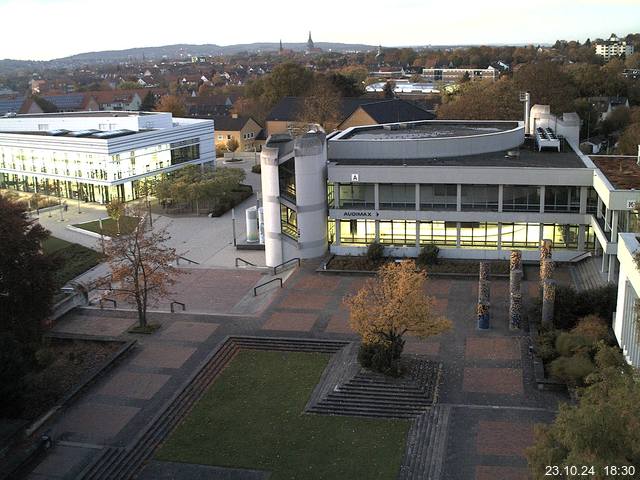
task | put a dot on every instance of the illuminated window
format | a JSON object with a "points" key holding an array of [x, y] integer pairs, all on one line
{"points": [[438, 233], [289, 221], [520, 235], [482, 235], [562, 236], [398, 232], [359, 232]]}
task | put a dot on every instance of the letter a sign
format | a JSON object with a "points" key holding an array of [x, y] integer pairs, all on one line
{"points": [[355, 177]]}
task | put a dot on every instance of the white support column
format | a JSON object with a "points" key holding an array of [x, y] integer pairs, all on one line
{"points": [[604, 262], [542, 194], [336, 241], [417, 197], [457, 235], [459, 198], [418, 234], [376, 196], [377, 229], [336, 195], [607, 220], [500, 197], [584, 192], [614, 226], [611, 275], [581, 237], [499, 247], [599, 208]]}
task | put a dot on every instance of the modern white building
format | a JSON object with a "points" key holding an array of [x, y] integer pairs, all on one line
{"points": [[614, 47], [97, 156]]}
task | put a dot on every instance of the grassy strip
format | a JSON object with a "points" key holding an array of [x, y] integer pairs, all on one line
{"points": [[72, 259], [251, 417], [110, 226]]}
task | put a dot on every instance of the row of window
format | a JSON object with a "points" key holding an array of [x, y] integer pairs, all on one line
{"points": [[464, 234], [473, 197]]}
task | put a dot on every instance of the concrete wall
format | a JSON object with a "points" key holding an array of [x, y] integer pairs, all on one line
{"points": [[624, 325], [271, 206]]}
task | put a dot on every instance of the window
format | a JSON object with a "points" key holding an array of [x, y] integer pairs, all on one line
{"points": [[520, 198], [220, 137], [330, 195], [185, 151], [562, 236], [289, 221], [562, 199], [592, 200], [479, 235], [480, 197], [357, 195], [438, 197], [228, 137], [287, 179], [397, 196], [398, 232], [439, 233], [520, 235], [358, 232]]}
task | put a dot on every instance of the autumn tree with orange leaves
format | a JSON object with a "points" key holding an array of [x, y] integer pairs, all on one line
{"points": [[388, 307], [141, 266]]}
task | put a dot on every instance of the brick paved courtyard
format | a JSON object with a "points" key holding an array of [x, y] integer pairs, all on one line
{"points": [[487, 377]]}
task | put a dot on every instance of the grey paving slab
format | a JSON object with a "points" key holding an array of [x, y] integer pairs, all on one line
{"points": [[189, 331], [156, 470], [94, 422], [63, 462], [134, 385], [163, 356]]}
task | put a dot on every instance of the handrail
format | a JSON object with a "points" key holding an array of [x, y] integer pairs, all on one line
{"points": [[178, 303], [275, 269], [581, 256], [255, 289], [244, 261], [179, 257], [102, 300]]}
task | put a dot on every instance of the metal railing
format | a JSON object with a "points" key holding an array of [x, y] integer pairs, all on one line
{"points": [[178, 258], [255, 289], [175, 302], [275, 269], [246, 262], [102, 300]]}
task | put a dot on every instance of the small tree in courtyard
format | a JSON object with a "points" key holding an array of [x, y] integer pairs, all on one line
{"points": [[232, 144], [388, 307], [141, 266], [115, 210]]}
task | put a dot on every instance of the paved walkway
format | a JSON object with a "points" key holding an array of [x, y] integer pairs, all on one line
{"points": [[487, 378]]}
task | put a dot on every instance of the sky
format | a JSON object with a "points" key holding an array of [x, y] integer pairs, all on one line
{"points": [[48, 29]]}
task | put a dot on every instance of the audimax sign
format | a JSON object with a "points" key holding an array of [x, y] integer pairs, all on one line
{"points": [[360, 214]]}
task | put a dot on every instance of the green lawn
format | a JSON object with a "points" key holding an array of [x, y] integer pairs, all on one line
{"points": [[72, 259], [251, 417], [110, 227]]}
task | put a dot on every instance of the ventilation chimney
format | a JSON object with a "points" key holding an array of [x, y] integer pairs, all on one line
{"points": [[525, 97]]}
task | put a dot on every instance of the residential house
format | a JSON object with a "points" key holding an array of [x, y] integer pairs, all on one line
{"points": [[244, 130]]}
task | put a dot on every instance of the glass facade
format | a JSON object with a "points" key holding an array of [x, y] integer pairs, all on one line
{"points": [[357, 195], [287, 180], [438, 196], [397, 196], [562, 199], [398, 232], [439, 233], [289, 222], [563, 236], [592, 200], [480, 197], [520, 235], [358, 232], [479, 235], [516, 198]]}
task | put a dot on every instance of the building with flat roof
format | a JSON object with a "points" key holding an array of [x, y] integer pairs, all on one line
{"points": [[614, 47], [97, 156], [476, 189], [454, 75]]}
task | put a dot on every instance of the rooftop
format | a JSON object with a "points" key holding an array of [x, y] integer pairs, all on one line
{"points": [[437, 129], [526, 158], [622, 172], [100, 113]]}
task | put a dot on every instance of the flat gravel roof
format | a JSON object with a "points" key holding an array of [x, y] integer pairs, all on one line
{"points": [[439, 129]]}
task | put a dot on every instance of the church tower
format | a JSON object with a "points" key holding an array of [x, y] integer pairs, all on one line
{"points": [[310, 45]]}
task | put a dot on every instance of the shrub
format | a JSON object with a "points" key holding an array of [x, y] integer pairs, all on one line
{"points": [[375, 252], [609, 356], [572, 370], [382, 357], [546, 345], [592, 328], [428, 255], [256, 169], [571, 305], [568, 344]]}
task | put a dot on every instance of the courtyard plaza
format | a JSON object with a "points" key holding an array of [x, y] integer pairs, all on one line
{"points": [[487, 379]]}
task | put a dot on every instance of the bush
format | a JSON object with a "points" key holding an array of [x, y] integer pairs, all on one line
{"points": [[571, 305], [568, 344], [428, 255], [546, 345], [592, 328], [572, 370], [382, 357], [609, 356], [256, 169], [375, 252]]}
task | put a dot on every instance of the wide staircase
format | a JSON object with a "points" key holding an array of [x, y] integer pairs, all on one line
{"points": [[586, 274]]}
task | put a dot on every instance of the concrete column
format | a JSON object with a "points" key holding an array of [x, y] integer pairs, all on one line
{"points": [[584, 191], [599, 209], [459, 198], [615, 214], [581, 237], [607, 220], [458, 235], [376, 196], [418, 234], [271, 206], [377, 228], [499, 246], [337, 239], [336, 195], [542, 194], [604, 262], [500, 197], [417, 197], [611, 275]]}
